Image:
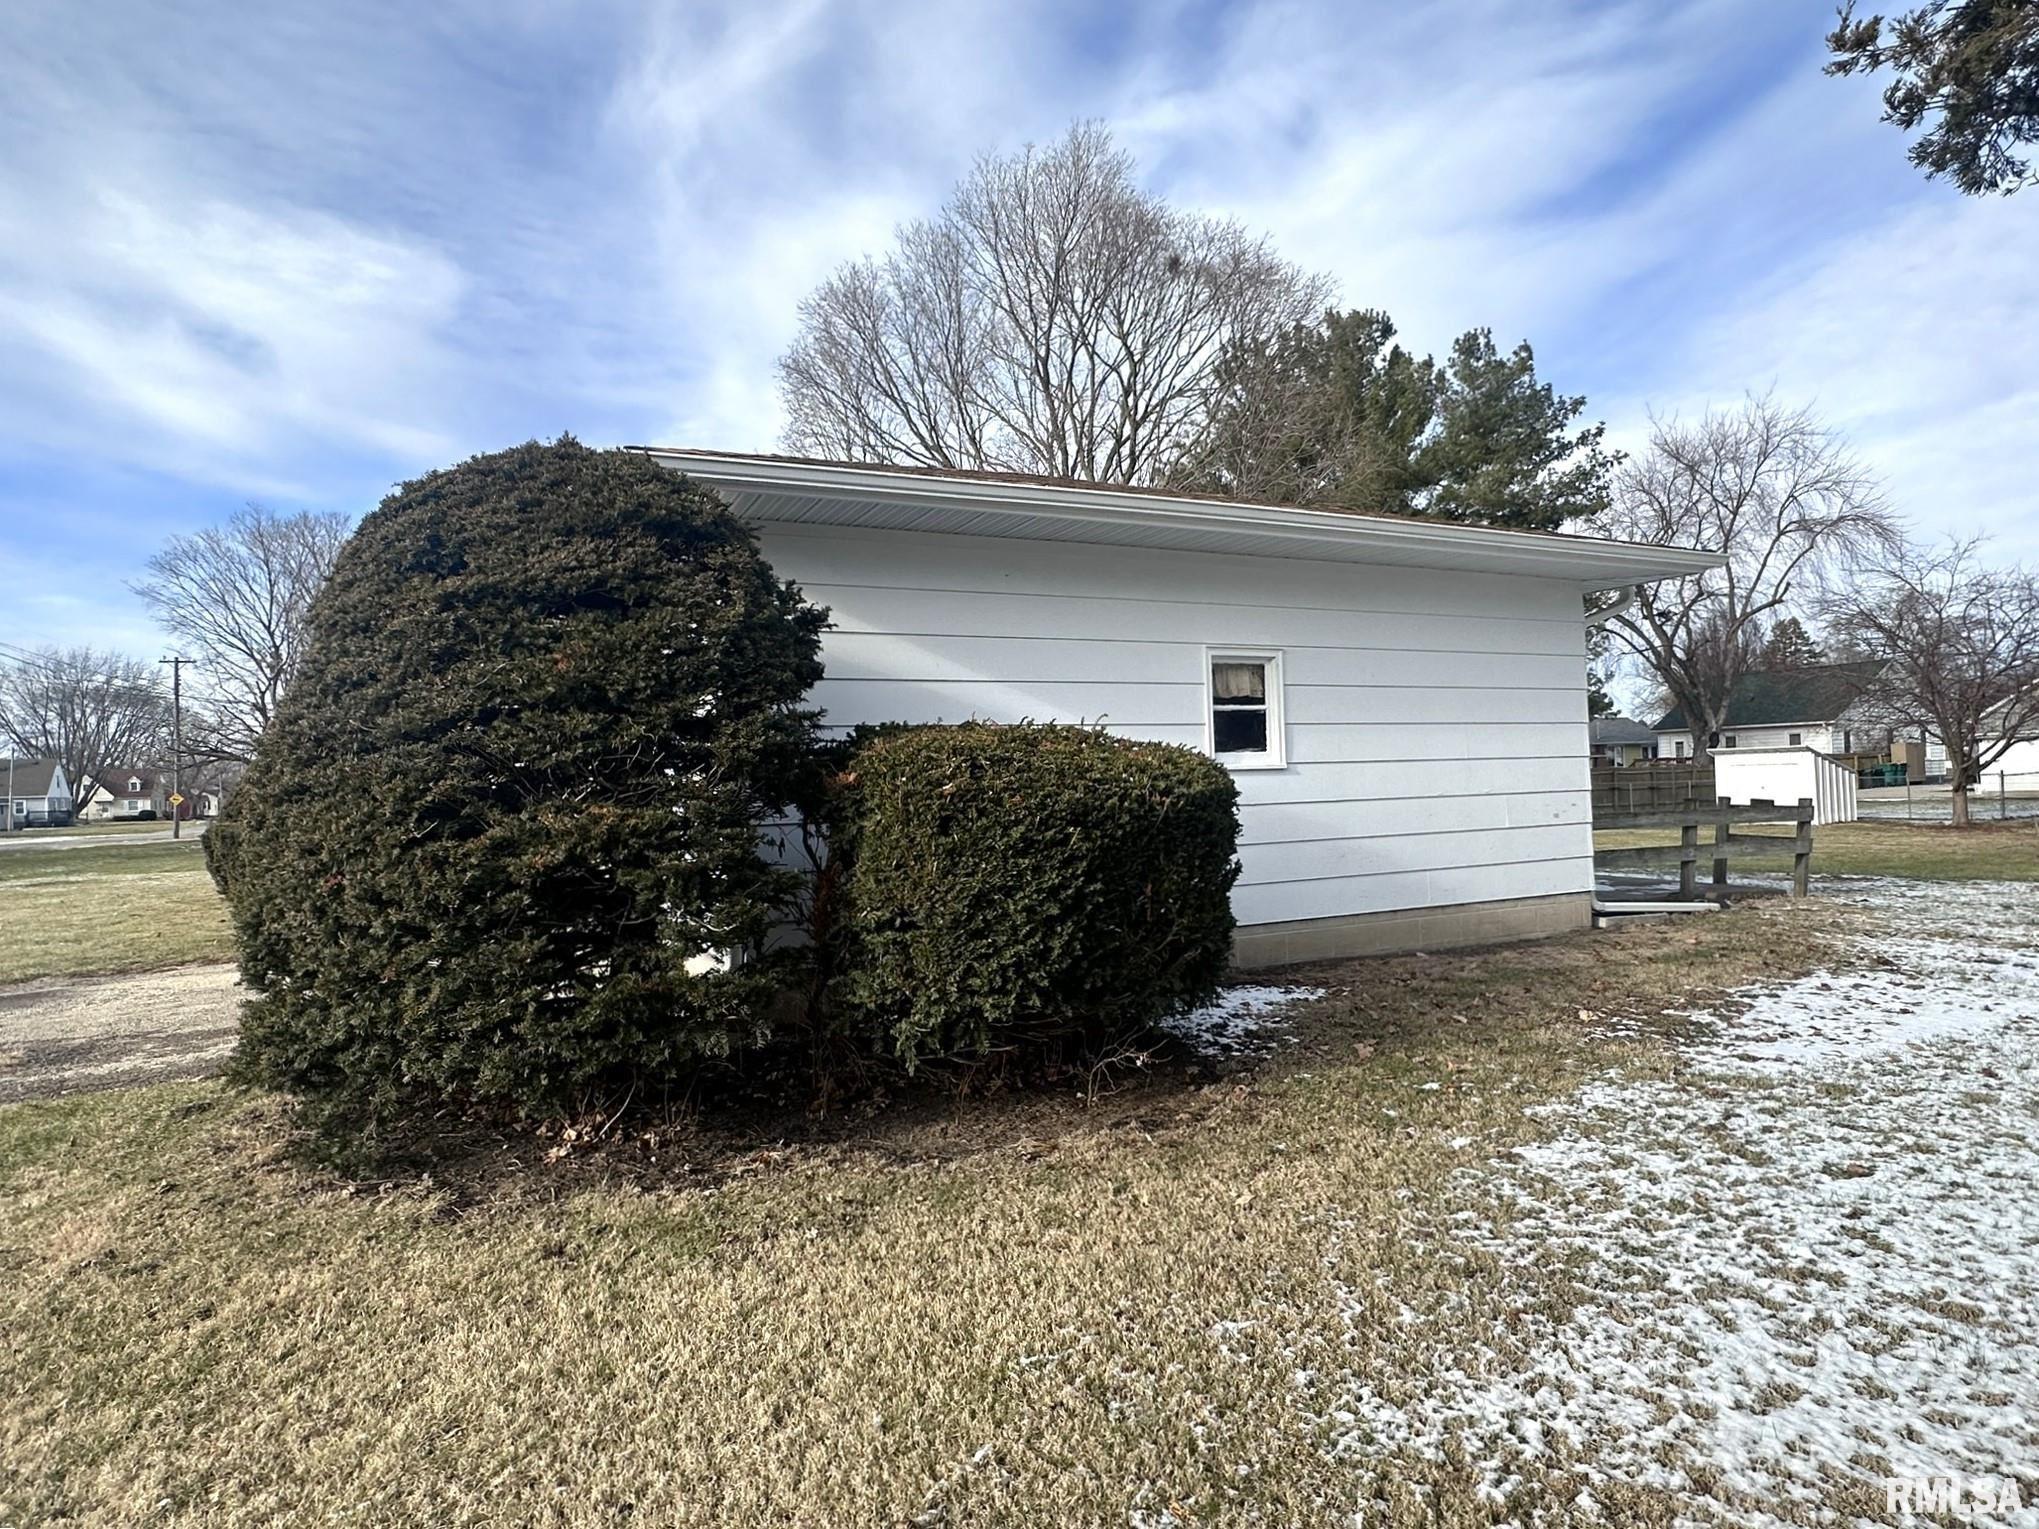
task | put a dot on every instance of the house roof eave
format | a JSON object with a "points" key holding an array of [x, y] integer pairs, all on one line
{"points": [[781, 490]]}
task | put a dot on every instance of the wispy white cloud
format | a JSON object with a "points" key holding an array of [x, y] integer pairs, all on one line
{"points": [[202, 329], [1917, 338], [299, 256]]}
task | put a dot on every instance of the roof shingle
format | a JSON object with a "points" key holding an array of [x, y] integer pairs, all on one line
{"points": [[1817, 693]]}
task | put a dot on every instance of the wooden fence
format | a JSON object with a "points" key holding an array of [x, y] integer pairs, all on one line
{"points": [[1721, 816], [1651, 787]]}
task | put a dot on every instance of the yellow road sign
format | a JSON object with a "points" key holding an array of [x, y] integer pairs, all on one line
{"points": [[176, 800]]}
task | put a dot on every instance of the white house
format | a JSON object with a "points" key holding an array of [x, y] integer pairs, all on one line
{"points": [[129, 791], [34, 793], [121, 791], [1403, 701], [1822, 706]]}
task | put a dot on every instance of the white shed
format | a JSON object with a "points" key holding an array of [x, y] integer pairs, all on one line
{"points": [[1403, 701]]}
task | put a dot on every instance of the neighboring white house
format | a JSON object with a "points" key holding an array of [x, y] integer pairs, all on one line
{"points": [[121, 791], [1821, 707], [131, 791], [1402, 701], [34, 793]]}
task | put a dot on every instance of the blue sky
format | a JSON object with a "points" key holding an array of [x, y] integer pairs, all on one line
{"points": [[300, 252]]}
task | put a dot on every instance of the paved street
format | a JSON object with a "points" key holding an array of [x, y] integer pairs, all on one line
{"points": [[39, 838]]}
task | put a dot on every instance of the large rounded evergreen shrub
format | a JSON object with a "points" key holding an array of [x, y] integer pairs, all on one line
{"points": [[509, 815], [1029, 889]]}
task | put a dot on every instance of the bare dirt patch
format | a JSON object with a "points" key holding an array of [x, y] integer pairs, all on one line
{"points": [[66, 1035]]}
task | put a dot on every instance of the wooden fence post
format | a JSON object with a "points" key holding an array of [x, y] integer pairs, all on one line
{"points": [[1688, 861], [1720, 837], [1801, 850]]}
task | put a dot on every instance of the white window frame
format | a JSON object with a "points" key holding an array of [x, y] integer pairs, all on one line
{"points": [[1276, 756]]}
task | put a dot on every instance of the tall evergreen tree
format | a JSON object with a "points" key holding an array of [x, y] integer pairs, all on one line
{"points": [[1791, 646], [1336, 412], [1966, 69]]}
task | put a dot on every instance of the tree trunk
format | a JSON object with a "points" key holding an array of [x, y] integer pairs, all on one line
{"points": [[1960, 809], [1703, 736]]}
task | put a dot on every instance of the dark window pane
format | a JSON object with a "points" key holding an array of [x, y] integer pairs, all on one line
{"points": [[1238, 730]]}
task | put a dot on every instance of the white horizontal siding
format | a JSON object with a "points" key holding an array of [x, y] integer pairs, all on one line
{"points": [[1338, 859], [1437, 721], [1144, 703], [937, 615], [1263, 822], [969, 564], [1357, 741], [865, 655], [1458, 783], [1780, 737]]}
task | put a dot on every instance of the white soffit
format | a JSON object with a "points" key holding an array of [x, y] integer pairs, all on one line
{"points": [[774, 490]]}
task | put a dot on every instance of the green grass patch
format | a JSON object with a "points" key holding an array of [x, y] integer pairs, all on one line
{"points": [[111, 908]]}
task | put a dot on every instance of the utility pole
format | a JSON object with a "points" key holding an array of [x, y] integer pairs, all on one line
{"points": [[176, 664]]}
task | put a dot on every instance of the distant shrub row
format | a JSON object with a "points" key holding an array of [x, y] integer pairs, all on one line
{"points": [[503, 836]]}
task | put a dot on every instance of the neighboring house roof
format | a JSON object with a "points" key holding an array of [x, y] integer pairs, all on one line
{"points": [[1817, 693], [1621, 730], [113, 779], [812, 491], [31, 776]]}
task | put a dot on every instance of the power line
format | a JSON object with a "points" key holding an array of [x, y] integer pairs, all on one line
{"points": [[40, 662]]}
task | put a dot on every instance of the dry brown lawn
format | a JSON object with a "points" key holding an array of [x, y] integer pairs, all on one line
{"points": [[108, 908], [1002, 1311], [1914, 851]]}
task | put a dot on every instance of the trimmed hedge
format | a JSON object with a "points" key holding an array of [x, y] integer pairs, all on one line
{"points": [[516, 791], [1029, 889]]}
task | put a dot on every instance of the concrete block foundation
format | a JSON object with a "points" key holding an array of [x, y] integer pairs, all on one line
{"points": [[1405, 929]]}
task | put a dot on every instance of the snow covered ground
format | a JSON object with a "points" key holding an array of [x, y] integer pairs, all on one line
{"points": [[1805, 1262], [1243, 1021]]}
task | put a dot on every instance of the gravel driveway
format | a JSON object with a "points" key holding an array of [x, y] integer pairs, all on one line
{"points": [[67, 1034]]}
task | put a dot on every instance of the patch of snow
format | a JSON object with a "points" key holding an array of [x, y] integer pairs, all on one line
{"points": [[1805, 1262], [1247, 1020]]}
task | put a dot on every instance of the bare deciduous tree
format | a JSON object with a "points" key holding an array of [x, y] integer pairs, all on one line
{"points": [[237, 596], [1963, 645], [1053, 318], [1782, 497], [83, 708]]}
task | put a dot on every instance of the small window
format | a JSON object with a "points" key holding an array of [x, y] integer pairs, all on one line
{"points": [[1797, 739], [1680, 746], [1245, 710], [1728, 742]]}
